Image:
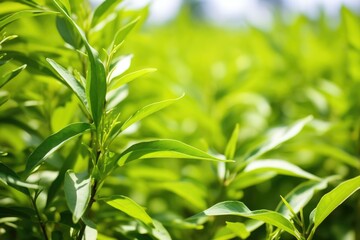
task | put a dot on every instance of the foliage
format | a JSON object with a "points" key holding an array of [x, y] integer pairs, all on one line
{"points": [[272, 112]]}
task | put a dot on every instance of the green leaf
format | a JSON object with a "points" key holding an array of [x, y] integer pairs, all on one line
{"points": [[96, 79], [146, 111], [121, 80], [68, 163], [21, 212], [279, 136], [10, 75], [74, 84], [21, 14], [67, 32], [237, 208], [231, 145], [330, 201], [52, 143], [10, 178], [123, 32], [239, 229], [130, 207], [4, 97], [120, 67], [164, 148], [301, 195], [103, 9], [77, 189], [278, 166]]}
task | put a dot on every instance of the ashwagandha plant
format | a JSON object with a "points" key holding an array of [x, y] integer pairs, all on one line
{"points": [[99, 87]]}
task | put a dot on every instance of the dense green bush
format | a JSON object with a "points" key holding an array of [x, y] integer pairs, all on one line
{"points": [[274, 114]]}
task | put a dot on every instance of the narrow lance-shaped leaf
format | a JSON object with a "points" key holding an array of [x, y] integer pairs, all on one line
{"points": [[280, 136], [4, 97], [278, 166], [74, 84], [302, 194], [120, 67], [263, 170], [96, 78], [237, 208], [8, 76], [52, 143], [146, 111], [330, 201], [164, 148], [124, 31], [121, 80], [231, 146], [104, 8], [77, 189], [21, 14], [130, 207], [10, 178]]}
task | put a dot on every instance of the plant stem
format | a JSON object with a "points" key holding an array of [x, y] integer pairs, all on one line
{"points": [[41, 223]]}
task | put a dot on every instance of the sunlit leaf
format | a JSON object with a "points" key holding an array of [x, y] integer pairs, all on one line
{"points": [[96, 80], [330, 201], [164, 148], [103, 9], [52, 143], [119, 81], [124, 31], [74, 84], [239, 229], [130, 207], [77, 189], [146, 111], [278, 166], [120, 67], [236, 208], [4, 79], [301, 195], [279, 136], [231, 145]]}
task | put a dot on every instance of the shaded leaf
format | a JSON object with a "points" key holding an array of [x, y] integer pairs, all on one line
{"points": [[164, 148], [9, 177], [52, 143], [68, 163], [77, 189]]}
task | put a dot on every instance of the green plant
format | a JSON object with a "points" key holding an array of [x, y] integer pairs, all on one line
{"points": [[99, 86], [72, 128]]}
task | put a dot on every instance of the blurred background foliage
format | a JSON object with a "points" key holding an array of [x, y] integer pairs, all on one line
{"points": [[259, 78]]}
